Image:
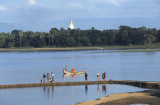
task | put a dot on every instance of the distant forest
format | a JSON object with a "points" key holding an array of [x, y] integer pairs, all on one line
{"points": [[125, 35]]}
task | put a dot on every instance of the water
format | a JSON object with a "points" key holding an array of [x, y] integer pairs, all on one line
{"points": [[28, 67], [60, 95]]}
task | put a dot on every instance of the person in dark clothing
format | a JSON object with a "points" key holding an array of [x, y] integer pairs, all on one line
{"points": [[44, 76], [50, 80], [86, 75], [102, 76]]}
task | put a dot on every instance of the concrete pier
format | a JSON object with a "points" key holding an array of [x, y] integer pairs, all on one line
{"points": [[142, 84]]}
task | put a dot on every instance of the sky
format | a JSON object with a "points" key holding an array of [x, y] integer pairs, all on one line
{"points": [[40, 11]]}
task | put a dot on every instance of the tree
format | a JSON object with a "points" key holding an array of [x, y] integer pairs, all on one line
{"points": [[2, 40], [15, 33], [149, 38], [124, 35], [53, 32], [20, 38], [158, 36], [10, 44], [85, 41], [49, 39], [70, 41]]}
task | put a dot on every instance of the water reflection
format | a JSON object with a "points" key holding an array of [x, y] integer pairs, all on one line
{"points": [[49, 95], [104, 89], [98, 89], [65, 76], [86, 89], [48, 91]]}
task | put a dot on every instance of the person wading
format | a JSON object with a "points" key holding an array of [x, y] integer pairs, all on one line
{"points": [[86, 75], [52, 77], [98, 76], [48, 77], [44, 76], [66, 68], [105, 75]]}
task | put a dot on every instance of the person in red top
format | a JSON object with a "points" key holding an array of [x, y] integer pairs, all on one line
{"points": [[105, 75]]}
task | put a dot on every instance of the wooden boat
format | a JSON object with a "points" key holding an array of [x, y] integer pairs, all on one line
{"points": [[71, 72]]}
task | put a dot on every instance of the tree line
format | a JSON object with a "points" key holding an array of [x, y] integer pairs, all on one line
{"points": [[125, 35]]}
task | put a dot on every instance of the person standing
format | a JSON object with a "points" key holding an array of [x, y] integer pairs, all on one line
{"points": [[50, 80], [98, 76], [105, 75], [66, 68], [48, 77], [102, 76], [41, 79], [86, 75], [52, 76], [44, 76]]}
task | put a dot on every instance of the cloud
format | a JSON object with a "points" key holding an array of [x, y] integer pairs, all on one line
{"points": [[31, 2], [114, 2], [62, 9], [2, 8]]}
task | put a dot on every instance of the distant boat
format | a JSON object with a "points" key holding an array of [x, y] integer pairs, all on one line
{"points": [[74, 72]]}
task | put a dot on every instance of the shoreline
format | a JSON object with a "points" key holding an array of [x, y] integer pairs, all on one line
{"points": [[48, 49], [135, 48], [69, 48], [151, 97]]}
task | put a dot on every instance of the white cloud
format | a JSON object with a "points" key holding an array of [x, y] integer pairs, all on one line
{"points": [[31, 2], [2, 8]]}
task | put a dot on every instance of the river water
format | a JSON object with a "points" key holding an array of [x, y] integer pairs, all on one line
{"points": [[28, 67], [60, 95]]}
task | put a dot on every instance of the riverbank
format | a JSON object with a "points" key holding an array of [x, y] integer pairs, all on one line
{"points": [[70, 48], [48, 49], [137, 50], [151, 97]]}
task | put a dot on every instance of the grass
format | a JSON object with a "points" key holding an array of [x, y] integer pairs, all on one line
{"points": [[48, 49]]}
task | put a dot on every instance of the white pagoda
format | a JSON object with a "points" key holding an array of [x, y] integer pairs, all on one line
{"points": [[71, 26]]}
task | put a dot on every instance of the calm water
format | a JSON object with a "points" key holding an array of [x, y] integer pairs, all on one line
{"points": [[28, 67], [60, 95]]}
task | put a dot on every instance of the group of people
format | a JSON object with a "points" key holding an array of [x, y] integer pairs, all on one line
{"points": [[49, 79], [104, 76]]}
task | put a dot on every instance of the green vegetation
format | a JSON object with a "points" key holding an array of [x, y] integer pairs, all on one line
{"points": [[124, 36], [149, 40]]}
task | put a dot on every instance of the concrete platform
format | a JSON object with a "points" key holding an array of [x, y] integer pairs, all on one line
{"points": [[142, 84]]}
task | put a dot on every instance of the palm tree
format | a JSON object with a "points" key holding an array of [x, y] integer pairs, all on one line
{"points": [[49, 37], [20, 37]]}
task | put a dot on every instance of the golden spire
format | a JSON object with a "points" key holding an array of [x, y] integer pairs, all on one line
{"points": [[71, 26]]}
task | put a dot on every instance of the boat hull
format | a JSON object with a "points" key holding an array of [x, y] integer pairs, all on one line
{"points": [[71, 73]]}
